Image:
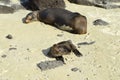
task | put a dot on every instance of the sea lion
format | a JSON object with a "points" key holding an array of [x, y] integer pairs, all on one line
{"points": [[59, 17], [42, 4], [63, 48]]}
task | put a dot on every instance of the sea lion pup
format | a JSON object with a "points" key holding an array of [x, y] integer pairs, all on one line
{"points": [[59, 17], [63, 48]]}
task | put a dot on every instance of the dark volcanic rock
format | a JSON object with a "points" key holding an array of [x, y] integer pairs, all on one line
{"points": [[12, 48], [5, 1], [7, 6], [6, 9], [74, 69], [49, 65], [17, 7], [100, 22], [59, 35], [86, 43], [107, 4], [4, 56], [42, 4], [9, 36]]}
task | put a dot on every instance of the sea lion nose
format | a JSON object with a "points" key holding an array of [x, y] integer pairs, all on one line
{"points": [[25, 20]]}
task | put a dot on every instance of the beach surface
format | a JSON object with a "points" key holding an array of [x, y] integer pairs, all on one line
{"points": [[20, 55]]}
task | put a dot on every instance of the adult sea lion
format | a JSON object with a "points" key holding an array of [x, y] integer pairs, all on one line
{"points": [[59, 17]]}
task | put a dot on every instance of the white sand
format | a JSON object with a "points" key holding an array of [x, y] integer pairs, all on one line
{"points": [[100, 61]]}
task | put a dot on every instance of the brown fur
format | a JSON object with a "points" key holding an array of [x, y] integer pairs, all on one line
{"points": [[63, 48], [59, 17]]}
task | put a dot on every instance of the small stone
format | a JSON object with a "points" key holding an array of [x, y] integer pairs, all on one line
{"points": [[86, 43], [9, 36], [100, 22], [68, 75], [66, 59], [74, 69], [5, 1], [4, 56], [80, 71], [59, 35], [28, 50], [12, 49]]}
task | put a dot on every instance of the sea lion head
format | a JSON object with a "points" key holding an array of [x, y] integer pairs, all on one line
{"points": [[58, 50], [32, 16]]}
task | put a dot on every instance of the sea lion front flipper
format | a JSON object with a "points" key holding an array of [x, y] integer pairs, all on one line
{"points": [[77, 53], [60, 58]]}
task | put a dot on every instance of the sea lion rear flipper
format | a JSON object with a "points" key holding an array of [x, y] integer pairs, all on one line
{"points": [[60, 58], [74, 49], [77, 53]]}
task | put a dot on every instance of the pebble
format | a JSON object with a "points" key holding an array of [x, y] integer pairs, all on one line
{"points": [[100, 22], [74, 69], [59, 35], [12, 49], [9, 36], [4, 56]]}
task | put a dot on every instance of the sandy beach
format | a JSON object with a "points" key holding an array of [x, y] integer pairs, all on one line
{"points": [[100, 60]]}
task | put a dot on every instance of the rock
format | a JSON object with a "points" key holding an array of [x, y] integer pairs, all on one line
{"points": [[9, 36], [49, 65], [9, 6], [6, 9], [12, 48], [5, 1], [107, 4], [17, 7], [59, 35], [100, 22], [28, 50], [4, 56], [86, 43], [42, 4], [74, 69]]}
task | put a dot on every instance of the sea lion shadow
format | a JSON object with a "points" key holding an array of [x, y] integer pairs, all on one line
{"points": [[23, 20], [46, 51], [86, 43]]}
